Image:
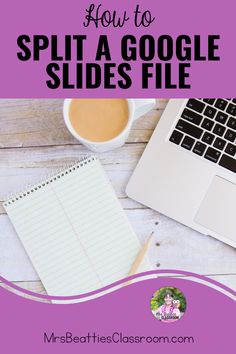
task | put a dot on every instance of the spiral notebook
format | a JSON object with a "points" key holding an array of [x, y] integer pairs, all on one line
{"points": [[75, 231]]}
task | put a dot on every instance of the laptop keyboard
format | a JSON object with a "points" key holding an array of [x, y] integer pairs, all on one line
{"points": [[207, 127]]}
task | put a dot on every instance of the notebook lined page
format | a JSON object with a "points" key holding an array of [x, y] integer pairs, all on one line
{"points": [[75, 231]]}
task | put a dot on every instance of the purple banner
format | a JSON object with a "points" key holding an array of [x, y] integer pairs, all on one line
{"points": [[148, 48], [121, 321]]}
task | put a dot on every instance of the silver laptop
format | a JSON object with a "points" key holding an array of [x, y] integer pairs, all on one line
{"points": [[188, 169]]}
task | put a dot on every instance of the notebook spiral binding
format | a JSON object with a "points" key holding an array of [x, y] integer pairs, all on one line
{"points": [[50, 179]]}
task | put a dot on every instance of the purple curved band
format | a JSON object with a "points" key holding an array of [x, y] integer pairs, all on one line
{"points": [[119, 282]]}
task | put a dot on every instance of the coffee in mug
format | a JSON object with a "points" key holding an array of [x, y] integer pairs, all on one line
{"points": [[99, 120], [103, 124]]}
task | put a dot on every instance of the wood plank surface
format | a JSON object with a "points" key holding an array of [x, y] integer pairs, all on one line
{"points": [[38, 122], [34, 143]]}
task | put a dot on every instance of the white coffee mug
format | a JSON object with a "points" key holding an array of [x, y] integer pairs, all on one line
{"points": [[137, 108]]}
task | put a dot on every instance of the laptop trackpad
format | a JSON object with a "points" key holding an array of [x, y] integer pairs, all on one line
{"points": [[218, 209]]}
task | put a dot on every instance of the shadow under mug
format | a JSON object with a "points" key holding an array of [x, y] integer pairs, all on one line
{"points": [[137, 108]]}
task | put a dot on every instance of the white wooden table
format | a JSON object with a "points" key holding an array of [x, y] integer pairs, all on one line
{"points": [[34, 142]]}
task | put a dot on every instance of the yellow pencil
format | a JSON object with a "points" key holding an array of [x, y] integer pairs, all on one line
{"points": [[141, 255]]}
